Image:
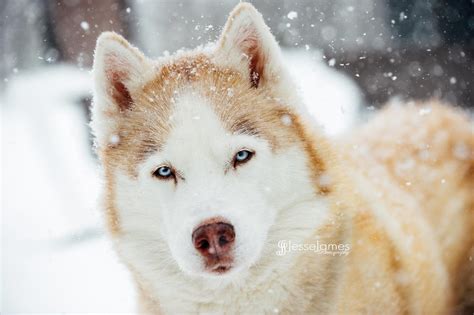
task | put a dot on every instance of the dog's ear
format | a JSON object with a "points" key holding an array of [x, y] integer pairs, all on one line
{"points": [[247, 41], [118, 67], [118, 71]]}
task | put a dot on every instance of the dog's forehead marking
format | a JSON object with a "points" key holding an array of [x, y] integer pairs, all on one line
{"points": [[194, 116], [195, 127]]}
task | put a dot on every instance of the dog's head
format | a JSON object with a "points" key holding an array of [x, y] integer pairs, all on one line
{"points": [[203, 151]]}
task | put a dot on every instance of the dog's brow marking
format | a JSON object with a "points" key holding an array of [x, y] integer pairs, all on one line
{"points": [[246, 127]]}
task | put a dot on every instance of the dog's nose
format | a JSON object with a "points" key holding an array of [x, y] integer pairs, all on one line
{"points": [[214, 240]]}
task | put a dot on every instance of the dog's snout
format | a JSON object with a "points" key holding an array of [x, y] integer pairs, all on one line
{"points": [[214, 240]]}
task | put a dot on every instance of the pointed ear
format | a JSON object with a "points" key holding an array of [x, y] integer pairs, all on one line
{"points": [[247, 41], [118, 70]]}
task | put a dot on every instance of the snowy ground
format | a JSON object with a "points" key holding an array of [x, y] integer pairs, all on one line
{"points": [[55, 256]]}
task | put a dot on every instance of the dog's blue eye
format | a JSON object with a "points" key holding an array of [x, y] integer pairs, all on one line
{"points": [[242, 156], [163, 172]]}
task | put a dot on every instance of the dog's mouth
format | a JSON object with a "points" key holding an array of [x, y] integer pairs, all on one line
{"points": [[221, 268]]}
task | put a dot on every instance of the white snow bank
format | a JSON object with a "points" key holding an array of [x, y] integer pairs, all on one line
{"points": [[55, 257], [332, 98]]}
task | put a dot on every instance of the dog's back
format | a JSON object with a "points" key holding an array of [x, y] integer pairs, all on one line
{"points": [[420, 159]]}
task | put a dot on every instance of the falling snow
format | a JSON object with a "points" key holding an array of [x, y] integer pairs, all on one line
{"points": [[114, 139], [347, 60], [424, 111], [286, 120], [402, 16], [85, 25], [292, 15]]}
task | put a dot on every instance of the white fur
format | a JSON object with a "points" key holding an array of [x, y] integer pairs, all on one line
{"points": [[264, 200], [111, 56], [249, 23]]}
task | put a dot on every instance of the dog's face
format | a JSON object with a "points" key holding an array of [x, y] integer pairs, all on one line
{"points": [[203, 152]]}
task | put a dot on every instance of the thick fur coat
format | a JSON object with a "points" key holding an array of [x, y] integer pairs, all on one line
{"points": [[397, 195]]}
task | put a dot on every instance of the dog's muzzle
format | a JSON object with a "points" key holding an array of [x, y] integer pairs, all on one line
{"points": [[214, 240]]}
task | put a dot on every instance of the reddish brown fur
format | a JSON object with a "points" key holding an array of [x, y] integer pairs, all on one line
{"points": [[429, 137]]}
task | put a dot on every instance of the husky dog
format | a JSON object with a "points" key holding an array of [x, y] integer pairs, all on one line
{"points": [[221, 195]]}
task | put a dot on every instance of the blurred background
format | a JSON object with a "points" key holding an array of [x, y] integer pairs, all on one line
{"points": [[348, 57]]}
